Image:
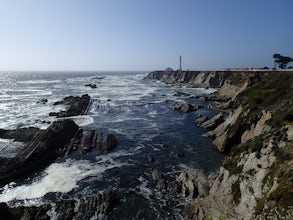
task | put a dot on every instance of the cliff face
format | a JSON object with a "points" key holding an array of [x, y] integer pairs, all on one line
{"points": [[256, 131], [228, 82]]}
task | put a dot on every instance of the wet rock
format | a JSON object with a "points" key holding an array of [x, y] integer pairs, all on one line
{"points": [[150, 158], [163, 145], [24, 212], [179, 94], [88, 207], [76, 106], [88, 142], [39, 152], [42, 101], [93, 86], [201, 119], [184, 107], [112, 142], [159, 179], [20, 134], [174, 187], [180, 154]]}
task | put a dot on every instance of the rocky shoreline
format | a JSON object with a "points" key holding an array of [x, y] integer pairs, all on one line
{"points": [[254, 128], [42, 147]]}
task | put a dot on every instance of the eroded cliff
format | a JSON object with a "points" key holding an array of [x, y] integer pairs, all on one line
{"points": [[256, 131]]}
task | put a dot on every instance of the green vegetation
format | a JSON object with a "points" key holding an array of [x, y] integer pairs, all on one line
{"points": [[273, 89], [231, 166], [282, 61], [236, 191]]}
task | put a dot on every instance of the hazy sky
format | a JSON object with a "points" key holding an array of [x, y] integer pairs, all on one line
{"points": [[143, 34]]}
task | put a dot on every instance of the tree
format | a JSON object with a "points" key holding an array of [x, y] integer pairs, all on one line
{"points": [[281, 61]]}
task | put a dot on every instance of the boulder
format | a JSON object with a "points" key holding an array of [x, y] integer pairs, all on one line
{"points": [[184, 107], [76, 106], [39, 152], [112, 142]]}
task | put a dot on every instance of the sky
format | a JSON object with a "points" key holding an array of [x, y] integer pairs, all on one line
{"points": [[143, 34]]}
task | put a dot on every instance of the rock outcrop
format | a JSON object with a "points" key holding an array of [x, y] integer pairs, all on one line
{"points": [[76, 106], [255, 130], [185, 107], [89, 207], [39, 152]]}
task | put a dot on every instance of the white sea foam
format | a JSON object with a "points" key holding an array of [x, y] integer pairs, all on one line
{"points": [[9, 148], [60, 177], [82, 120]]}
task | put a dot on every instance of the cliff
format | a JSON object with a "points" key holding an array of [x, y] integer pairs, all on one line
{"points": [[256, 132]]}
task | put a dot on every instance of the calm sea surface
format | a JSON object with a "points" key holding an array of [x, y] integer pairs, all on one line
{"points": [[136, 111]]}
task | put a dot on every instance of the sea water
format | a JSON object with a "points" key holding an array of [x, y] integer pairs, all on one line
{"points": [[137, 111]]}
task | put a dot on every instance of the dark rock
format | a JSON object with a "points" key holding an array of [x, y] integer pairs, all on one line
{"points": [[184, 107], [88, 142], [88, 207], [42, 101], [159, 179], [77, 106], [112, 142], [24, 212], [181, 94], [39, 152], [20, 134], [150, 158], [163, 145], [93, 86], [174, 187], [98, 77], [180, 154]]}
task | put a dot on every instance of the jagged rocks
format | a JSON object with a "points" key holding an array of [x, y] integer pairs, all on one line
{"points": [[39, 152], [213, 122], [20, 134], [200, 120], [185, 107], [90, 207], [77, 106]]}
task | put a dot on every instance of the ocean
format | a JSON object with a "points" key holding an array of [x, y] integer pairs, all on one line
{"points": [[137, 111]]}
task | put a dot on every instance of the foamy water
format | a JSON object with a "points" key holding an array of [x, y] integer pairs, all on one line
{"points": [[136, 111]]}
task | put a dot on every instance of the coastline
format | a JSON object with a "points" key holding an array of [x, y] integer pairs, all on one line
{"points": [[248, 182]]}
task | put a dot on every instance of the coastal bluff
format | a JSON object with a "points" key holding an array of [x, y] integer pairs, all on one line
{"points": [[203, 79], [254, 129]]}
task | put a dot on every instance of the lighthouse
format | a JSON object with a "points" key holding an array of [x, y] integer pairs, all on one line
{"points": [[180, 62]]}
